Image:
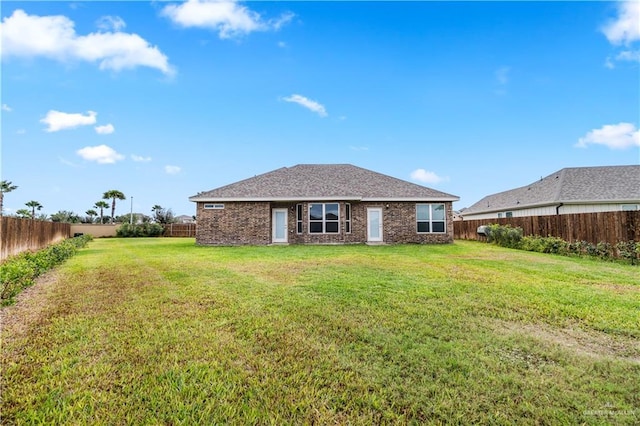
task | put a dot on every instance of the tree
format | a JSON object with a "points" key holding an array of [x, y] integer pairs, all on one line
{"points": [[5, 186], [113, 195], [90, 214], [23, 213], [34, 206], [101, 205], [162, 215], [65, 216]]}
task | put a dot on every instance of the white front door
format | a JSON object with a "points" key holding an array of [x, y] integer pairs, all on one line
{"points": [[374, 224], [279, 220]]}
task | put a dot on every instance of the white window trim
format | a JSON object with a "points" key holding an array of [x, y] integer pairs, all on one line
{"points": [[347, 219], [431, 220], [212, 206], [323, 221], [299, 219]]}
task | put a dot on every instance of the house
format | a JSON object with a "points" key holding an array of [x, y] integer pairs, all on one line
{"points": [[567, 191], [183, 219], [323, 204]]}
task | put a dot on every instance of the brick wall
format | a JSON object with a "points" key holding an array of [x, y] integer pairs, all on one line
{"points": [[250, 223], [236, 224]]}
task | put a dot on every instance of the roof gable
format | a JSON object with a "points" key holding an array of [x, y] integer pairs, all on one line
{"points": [[605, 184], [322, 181]]}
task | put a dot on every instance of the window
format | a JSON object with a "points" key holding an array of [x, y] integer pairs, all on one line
{"points": [[347, 220], [509, 214], [214, 206], [431, 218], [630, 207], [323, 218], [299, 218], [499, 215]]}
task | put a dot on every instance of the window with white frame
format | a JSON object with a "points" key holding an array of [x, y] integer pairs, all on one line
{"points": [[214, 206], [299, 216], [347, 218], [324, 218], [430, 218]]}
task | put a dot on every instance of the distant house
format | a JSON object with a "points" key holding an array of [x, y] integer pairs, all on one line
{"points": [[570, 190], [323, 204], [183, 218]]}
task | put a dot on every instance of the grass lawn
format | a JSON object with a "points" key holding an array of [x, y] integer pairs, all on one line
{"points": [[159, 331]]}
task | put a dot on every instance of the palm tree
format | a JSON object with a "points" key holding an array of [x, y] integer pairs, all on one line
{"points": [[101, 205], [23, 213], [34, 206], [91, 213], [113, 194], [5, 186]]}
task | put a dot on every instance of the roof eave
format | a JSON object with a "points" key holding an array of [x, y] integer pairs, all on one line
{"points": [[197, 199], [554, 203]]}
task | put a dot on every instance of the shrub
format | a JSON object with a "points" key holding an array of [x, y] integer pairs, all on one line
{"points": [[545, 245], [505, 236], [19, 272], [140, 230], [629, 250]]}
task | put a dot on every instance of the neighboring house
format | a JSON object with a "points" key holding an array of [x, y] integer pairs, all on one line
{"points": [[323, 204], [570, 190], [183, 218]]}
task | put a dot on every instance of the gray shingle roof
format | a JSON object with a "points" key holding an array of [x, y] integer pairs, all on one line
{"points": [[322, 181], [574, 185]]}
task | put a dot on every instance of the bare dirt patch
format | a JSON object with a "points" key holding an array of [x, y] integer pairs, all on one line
{"points": [[593, 344]]}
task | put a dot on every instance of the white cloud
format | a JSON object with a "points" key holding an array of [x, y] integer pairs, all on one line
{"points": [[228, 18], [101, 154], [307, 103], [625, 29], [359, 148], [282, 44], [608, 63], [21, 132], [56, 120], [6, 108], [140, 159], [107, 129], [502, 75], [108, 23], [422, 175], [629, 55], [613, 136], [54, 37], [68, 163], [172, 170]]}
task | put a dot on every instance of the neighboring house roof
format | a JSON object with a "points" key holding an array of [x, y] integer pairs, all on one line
{"points": [[572, 185], [183, 218], [322, 182]]}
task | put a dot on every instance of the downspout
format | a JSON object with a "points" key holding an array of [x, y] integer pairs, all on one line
{"points": [[558, 208]]}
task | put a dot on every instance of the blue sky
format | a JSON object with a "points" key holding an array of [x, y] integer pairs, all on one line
{"points": [[162, 100]]}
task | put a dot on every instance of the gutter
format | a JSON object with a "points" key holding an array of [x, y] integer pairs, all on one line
{"points": [[558, 208]]}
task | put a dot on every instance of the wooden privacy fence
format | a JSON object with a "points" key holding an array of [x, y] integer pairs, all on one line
{"points": [[609, 227], [179, 230], [18, 235]]}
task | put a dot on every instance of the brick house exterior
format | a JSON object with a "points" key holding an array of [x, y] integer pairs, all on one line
{"points": [[323, 204]]}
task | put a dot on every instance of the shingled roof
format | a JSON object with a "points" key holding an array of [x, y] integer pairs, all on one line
{"points": [[322, 182], [573, 185]]}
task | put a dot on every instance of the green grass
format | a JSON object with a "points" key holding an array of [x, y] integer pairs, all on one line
{"points": [[159, 331]]}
